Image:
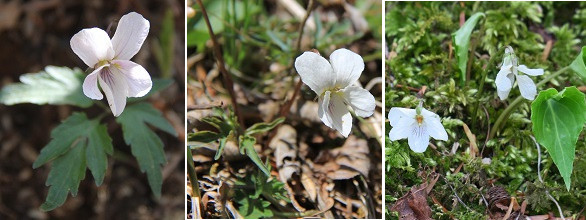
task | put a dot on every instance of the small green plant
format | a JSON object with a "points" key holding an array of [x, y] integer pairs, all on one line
{"points": [[82, 140]]}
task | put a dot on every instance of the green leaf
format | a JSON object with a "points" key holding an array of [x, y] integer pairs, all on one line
{"points": [[247, 147], [558, 119], [55, 86], [163, 48], [578, 64], [66, 174], [158, 85], [254, 208], [203, 136], [76, 143], [263, 127], [461, 39], [145, 145]]}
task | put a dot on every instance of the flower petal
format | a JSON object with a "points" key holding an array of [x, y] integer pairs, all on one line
{"points": [[503, 82], [396, 114], [418, 139], [347, 66], [115, 88], [323, 103], [315, 71], [402, 129], [131, 32], [137, 78], [338, 114], [361, 100], [90, 85], [527, 87], [531, 72], [434, 125], [92, 45]]}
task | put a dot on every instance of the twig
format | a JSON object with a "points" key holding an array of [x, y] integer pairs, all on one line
{"points": [[205, 106], [228, 83], [541, 180], [455, 193]]}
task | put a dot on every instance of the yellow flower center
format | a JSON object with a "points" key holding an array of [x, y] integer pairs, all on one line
{"points": [[419, 119]]}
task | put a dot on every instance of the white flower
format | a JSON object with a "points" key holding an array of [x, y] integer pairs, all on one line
{"points": [[118, 76], [509, 71], [417, 125], [332, 83]]}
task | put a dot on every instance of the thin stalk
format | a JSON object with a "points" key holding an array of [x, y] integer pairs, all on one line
{"points": [[285, 109], [228, 83], [192, 176], [505, 115], [481, 89], [541, 179]]}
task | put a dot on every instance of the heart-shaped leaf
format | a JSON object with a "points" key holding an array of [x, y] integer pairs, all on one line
{"points": [[558, 119]]}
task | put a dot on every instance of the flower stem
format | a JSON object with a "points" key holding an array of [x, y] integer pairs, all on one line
{"points": [[285, 109], [489, 65], [505, 115], [228, 82], [192, 176]]}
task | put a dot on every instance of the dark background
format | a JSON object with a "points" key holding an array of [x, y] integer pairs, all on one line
{"points": [[34, 34]]}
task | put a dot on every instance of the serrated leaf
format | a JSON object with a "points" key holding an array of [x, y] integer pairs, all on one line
{"points": [[145, 145], [578, 64], [255, 208], [221, 148], [461, 39], [558, 119], [79, 129], [203, 136], [65, 176], [76, 143], [247, 147], [55, 86], [263, 127]]}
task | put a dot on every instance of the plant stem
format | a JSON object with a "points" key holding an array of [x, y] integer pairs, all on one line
{"points": [[505, 115], [285, 108], [192, 177], [481, 89], [228, 83], [541, 179]]}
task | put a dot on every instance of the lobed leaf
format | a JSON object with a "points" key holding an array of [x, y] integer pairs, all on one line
{"points": [[558, 120], [55, 86], [65, 176], [263, 127], [247, 147], [76, 143], [145, 145]]}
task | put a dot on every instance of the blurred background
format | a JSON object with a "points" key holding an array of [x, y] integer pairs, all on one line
{"points": [[36, 33]]}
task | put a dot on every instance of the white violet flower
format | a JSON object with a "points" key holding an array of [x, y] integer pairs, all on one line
{"points": [[417, 125], [110, 59], [509, 71], [332, 82]]}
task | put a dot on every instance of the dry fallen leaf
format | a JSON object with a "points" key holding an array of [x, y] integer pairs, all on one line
{"points": [[413, 205], [285, 149]]}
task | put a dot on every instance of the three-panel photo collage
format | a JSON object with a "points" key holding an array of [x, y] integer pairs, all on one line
{"points": [[291, 109]]}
